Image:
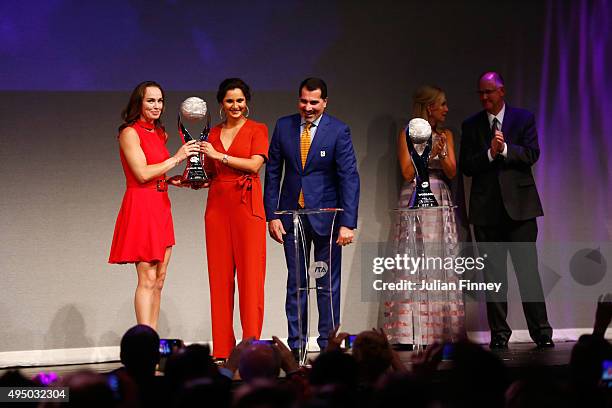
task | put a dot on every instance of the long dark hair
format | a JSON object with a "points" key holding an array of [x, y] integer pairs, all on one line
{"points": [[132, 111]]}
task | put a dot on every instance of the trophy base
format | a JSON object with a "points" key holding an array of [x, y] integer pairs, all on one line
{"points": [[195, 177], [196, 183], [422, 200]]}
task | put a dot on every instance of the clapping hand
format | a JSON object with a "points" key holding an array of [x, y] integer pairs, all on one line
{"points": [[438, 146], [497, 143]]}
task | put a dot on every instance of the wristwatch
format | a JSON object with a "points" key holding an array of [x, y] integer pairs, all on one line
{"points": [[225, 159]]}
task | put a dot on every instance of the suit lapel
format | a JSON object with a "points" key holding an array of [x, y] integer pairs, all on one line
{"points": [[484, 128], [294, 139], [318, 140], [508, 117]]}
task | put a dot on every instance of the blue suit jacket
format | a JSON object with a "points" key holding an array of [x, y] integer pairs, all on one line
{"points": [[329, 178]]}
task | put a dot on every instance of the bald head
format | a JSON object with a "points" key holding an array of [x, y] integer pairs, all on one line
{"points": [[493, 77], [491, 92]]}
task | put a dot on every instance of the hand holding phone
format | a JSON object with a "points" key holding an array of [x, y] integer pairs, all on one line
{"points": [[169, 346], [448, 351], [606, 375], [166, 348], [349, 340]]}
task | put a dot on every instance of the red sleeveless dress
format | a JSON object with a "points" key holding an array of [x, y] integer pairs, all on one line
{"points": [[144, 227]]}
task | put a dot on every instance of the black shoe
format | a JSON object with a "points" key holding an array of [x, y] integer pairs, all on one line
{"points": [[402, 347], [498, 343], [544, 342]]}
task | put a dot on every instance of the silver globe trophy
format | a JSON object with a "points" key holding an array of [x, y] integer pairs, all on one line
{"points": [[193, 113], [419, 141]]}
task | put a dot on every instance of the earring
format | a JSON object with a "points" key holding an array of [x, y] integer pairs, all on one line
{"points": [[247, 113], [221, 114]]}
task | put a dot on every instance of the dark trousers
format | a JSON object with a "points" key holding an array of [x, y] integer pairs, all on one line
{"points": [[328, 296], [516, 238]]}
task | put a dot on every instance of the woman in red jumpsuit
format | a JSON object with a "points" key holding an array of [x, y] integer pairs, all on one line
{"points": [[144, 232], [235, 221]]}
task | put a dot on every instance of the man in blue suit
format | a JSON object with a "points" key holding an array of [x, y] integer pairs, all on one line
{"points": [[313, 154]]}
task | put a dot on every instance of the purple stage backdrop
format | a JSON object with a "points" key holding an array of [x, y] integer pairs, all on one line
{"points": [[77, 45], [574, 111]]}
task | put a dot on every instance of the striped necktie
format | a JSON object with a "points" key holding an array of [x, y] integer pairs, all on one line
{"points": [[304, 147]]}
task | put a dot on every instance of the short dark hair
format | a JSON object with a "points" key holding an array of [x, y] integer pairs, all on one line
{"points": [[140, 349], [334, 367], [193, 361], [233, 83], [312, 84]]}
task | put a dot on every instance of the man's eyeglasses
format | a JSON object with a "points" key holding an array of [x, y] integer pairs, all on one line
{"points": [[486, 91]]}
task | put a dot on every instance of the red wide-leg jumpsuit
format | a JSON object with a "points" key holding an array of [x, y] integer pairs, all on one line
{"points": [[235, 226]]}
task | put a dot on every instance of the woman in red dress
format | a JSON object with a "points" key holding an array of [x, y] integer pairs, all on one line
{"points": [[235, 220], [144, 233]]}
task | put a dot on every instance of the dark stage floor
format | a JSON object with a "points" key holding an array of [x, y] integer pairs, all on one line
{"points": [[524, 355], [519, 356]]}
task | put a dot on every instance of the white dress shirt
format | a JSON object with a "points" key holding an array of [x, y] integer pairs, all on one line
{"points": [[500, 121], [313, 128]]}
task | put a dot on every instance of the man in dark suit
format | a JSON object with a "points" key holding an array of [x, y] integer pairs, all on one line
{"points": [[498, 147], [313, 154]]}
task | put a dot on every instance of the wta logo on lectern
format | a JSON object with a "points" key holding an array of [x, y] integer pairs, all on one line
{"points": [[411, 264], [318, 269]]}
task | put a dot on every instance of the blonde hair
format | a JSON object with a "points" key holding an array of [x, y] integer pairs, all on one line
{"points": [[423, 97]]}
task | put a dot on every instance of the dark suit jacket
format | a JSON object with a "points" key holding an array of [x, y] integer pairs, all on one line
{"points": [[504, 183], [329, 178]]}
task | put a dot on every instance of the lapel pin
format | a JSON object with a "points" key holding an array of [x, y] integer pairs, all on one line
{"points": [[322, 153]]}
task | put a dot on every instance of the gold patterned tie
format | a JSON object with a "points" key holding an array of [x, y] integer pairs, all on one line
{"points": [[304, 147]]}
